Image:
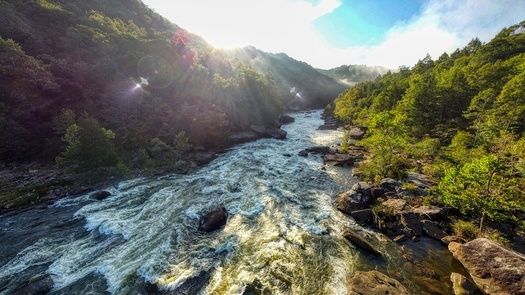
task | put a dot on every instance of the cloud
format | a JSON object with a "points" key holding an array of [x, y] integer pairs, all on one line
{"points": [[442, 26]]}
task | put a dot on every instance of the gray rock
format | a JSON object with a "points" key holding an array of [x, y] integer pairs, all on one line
{"points": [[411, 224], [363, 217], [432, 230], [449, 239], [213, 220], [462, 286], [494, 269], [357, 198], [101, 195], [303, 153], [269, 132], [390, 185], [433, 213], [374, 283], [360, 242], [357, 132], [286, 119], [339, 159], [319, 149]]}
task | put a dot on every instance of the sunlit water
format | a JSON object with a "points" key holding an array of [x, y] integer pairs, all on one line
{"points": [[283, 235]]}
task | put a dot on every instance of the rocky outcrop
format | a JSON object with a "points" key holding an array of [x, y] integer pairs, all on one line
{"points": [[374, 283], [101, 195], [357, 132], [432, 230], [285, 119], [494, 269], [320, 149], [213, 220], [357, 198], [360, 242], [243, 136], [339, 159], [269, 132], [411, 224]]}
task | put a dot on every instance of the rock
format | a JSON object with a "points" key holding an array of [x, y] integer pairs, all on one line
{"points": [[397, 205], [389, 184], [494, 269], [433, 213], [411, 224], [40, 284], [357, 132], [204, 157], [432, 230], [357, 198], [363, 217], [400, 238], [243, 136], [303, 153], [421, 180], [374, 283], [462, 286], [360, 242], [285, 119], [213, 220], [319, 149], [377, 191], [339, 159], [449, 239], [101, 195], [269, 132]]}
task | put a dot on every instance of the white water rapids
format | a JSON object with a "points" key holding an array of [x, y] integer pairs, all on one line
{"points": [[283, 235]]}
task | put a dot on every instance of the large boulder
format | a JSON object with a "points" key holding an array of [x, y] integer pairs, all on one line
{"points": [[213, 220], [390, 185], [360, 242], [462, 286], [285, 119], [320, 149], [339, 159], [357, 198], [101, 195], [357, 132], [494, 269], [374, 283], [411, 224], [433, 213], [432, 230], [269, 132]]}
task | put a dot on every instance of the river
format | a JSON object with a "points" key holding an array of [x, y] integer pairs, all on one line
{"points": [[283, 236]]}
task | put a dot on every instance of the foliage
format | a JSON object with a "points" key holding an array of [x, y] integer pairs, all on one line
{"points": [[465, 229]]}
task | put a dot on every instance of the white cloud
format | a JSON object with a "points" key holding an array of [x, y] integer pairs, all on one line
{"points": [[287, 26]]}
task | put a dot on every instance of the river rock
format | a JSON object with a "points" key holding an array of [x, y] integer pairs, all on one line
{"points": [[411, 224], [285, 119], [303, 153], [101, 195], [374, 283], [449, 239], [357, 198], [40, 284], [432, 230], [360, 242], [339, 159], [243, 136], [357, 132], [320, 149], [213, 220], [390, 185], [421, 180], [433, 213], [269, 132], [494, 269], [363, 217], [462, 286]]}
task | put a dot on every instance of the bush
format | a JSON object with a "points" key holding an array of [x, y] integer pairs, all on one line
{"points": [[466, 229]]}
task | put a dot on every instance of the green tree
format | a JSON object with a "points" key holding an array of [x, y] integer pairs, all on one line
{"points": [[88, 145]]}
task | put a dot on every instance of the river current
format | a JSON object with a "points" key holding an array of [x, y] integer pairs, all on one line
{"points": [[283, 235]]}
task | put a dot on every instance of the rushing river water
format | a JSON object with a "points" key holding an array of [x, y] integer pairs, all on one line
{"points": [[283, 235]]}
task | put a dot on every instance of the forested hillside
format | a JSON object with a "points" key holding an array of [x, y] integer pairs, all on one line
{"points": [[354, 74], [460, 118], [99, 83]]}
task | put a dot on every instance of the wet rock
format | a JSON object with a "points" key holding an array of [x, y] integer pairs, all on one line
{"points": [[243, 136], [360, 242], [204, 157], [319, 149], [303, 153], [494, 269], [374, 283], [285, 119], [213, 220], [357, 132], [40, 284], [363, 217], [357, 198], [411, 224], [449, 239], [269, 132], [462, 286], [432, 230], [339, 159], [101, 195]]}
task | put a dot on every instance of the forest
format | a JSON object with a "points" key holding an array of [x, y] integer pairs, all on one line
{"points": [[460, 119], [113, 84]]}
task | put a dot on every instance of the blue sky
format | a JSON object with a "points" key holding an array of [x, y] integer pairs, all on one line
{"points": [[330, 33]]}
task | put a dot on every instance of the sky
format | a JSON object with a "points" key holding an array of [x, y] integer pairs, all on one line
{"points": [[331, 33]]}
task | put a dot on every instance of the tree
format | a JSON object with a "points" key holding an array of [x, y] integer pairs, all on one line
{"points": [[387, 139], [483, 187]]}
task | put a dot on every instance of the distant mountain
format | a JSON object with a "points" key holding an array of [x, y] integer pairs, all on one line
{"points": [[350, 75], [311, 87]]}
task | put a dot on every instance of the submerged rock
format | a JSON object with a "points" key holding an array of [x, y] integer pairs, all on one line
{"points": [[494, 269], [213, 220], [360, 242], [101, 195], [374, 283]]}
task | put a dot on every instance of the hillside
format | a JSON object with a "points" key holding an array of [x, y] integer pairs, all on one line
{"points": [[120, 73], [353, 74]]}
